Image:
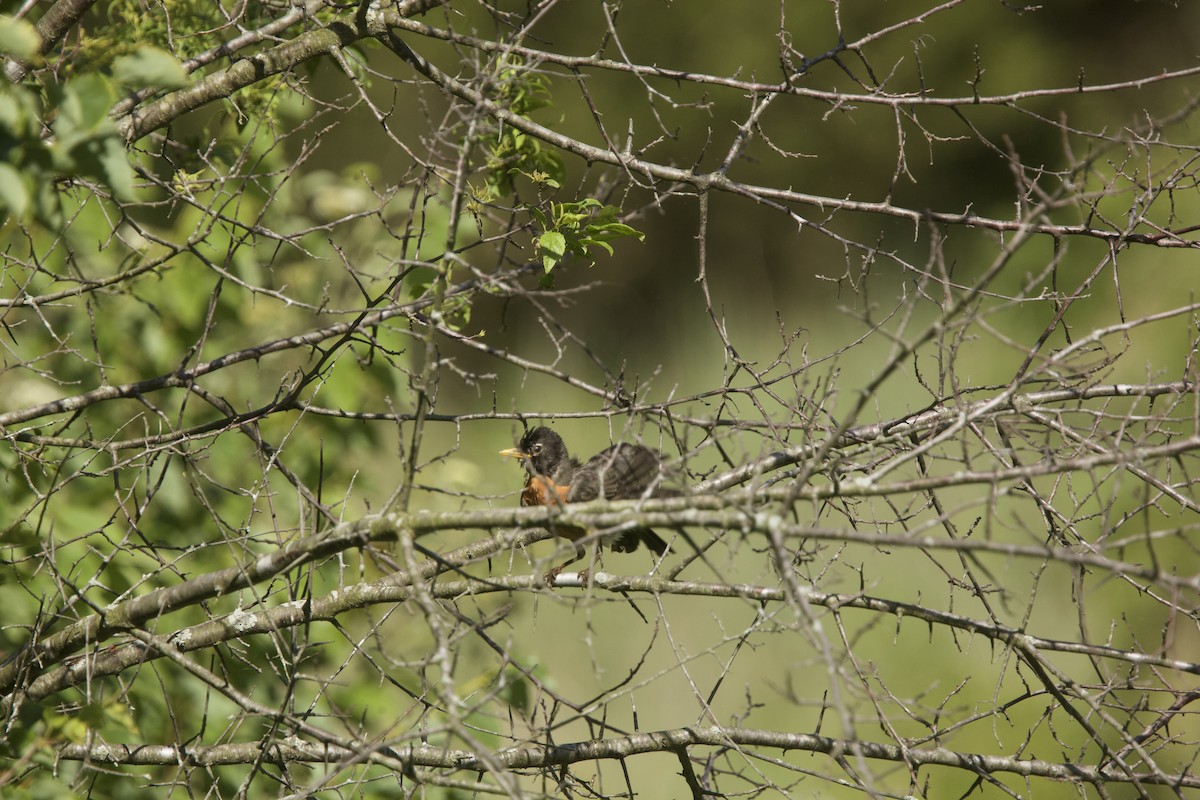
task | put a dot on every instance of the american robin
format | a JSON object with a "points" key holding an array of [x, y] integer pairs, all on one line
{"points": [[622, 472]]}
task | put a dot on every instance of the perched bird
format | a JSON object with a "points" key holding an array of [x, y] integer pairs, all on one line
{"points": [[622, 472]]}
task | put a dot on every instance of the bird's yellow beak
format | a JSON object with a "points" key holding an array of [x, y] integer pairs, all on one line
{"points": [[514, 452]]}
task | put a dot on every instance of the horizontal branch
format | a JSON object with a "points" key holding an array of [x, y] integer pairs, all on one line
{"points": [[941, 415], [676, 740], [229, 48], [397, 588], [877, 96], [735, 513], [138, 611]]}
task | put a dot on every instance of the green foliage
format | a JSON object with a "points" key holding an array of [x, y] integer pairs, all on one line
{"points": [[85, 143], [455, 312], [575, 228], [513, 153], [19, 145], [267, 101], [510, 151], [570, 228], [146, 50], [175, 25], [150, 67], [18, 38]]}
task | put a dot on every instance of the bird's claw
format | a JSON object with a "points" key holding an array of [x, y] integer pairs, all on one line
{"points": [[552, 575]]}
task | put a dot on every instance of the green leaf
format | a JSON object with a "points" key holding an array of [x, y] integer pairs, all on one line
{"points": [[18, 38], [553, 246], [14, 195], [19, 112], [10, 113], [115, 169], [539, 217], [150, 67], [516, 691], [83, 109], [616, 230], [419, 280], [47, 205], [588, 242]]}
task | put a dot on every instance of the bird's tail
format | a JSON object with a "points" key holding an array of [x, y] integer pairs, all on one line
{"points": [[628, 541]]}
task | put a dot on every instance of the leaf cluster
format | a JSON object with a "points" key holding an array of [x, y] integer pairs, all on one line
{"points": [[510, 151], [573, 229], [62, 131]]}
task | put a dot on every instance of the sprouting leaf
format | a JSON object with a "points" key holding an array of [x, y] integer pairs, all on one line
{"points": [[577, 227]]}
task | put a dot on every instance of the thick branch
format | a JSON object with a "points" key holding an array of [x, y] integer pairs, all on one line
{"points": [[732, 513], [254, 68], [664, 741], [52, 26], [241, 623], [721, 513]]}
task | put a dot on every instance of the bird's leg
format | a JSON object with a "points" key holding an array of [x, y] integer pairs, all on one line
{"points": [[598, 560], [584, 574], [552, 574]]}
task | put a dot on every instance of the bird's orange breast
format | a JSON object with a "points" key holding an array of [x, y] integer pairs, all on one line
{"points": [[541, 491]]}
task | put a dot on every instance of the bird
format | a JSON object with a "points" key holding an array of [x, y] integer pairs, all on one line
{"points": [[620, 472]]}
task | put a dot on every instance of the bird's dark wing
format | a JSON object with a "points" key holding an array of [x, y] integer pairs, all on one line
{"points": [[623, 472]]}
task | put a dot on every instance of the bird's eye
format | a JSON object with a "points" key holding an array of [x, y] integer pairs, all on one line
{"points": [[537, 448]]}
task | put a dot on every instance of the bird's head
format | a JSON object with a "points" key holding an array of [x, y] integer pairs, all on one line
{"points": [[541, 450]]}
